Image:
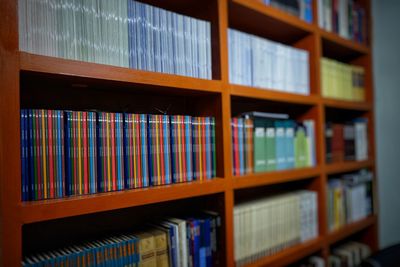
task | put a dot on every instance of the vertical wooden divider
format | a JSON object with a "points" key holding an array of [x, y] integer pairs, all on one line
{"points": [[226, 119], [10, 170]]}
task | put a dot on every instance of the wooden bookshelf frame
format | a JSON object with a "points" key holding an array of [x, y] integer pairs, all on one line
{"points": [[14, 213]]}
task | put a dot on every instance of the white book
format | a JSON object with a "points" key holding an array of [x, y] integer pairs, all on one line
{"points": [[320, 6]]}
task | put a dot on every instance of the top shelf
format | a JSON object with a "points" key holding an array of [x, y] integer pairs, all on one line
{"points": [[254, 16]]}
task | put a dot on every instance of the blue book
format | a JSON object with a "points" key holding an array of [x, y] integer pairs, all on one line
{"points": [[126, 144], [61, 148], [205, 237], [143, 136], [31, 156], [68, 152], [194, 226], [100, 166], [118, 154], [289, 143]]}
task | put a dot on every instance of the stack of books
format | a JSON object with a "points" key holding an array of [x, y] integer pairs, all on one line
{"points": [[349, 198], [258, 62], [313, 261], [264, 142], [344, 17], [65, 153], [265, 226], [342, 81], [347, 142], [191, 241], [123, 33]]}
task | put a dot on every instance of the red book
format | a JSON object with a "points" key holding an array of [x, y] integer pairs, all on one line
{"points": [[75, 152], [138, 152], [337, 143], [161, 142], [204, 147], [183, 147]]}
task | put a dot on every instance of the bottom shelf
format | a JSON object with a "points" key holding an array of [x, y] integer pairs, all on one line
{"points": [[290, 255]]}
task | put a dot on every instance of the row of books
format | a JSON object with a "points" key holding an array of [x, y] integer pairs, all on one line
{"points": [[347, 142], [350, 254], [68, 153], [175, 242], [298, 8], [258, 62], [349, 198], [265, 226], [344, 17], [342, 81], [124, 33], [264, 142]]}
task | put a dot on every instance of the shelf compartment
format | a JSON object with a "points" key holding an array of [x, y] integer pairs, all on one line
{"points": [[252, 16], [347, 105], [267, 94], [350, 229], [66, 207], [290, 255], [348, 166], [79, 69], [337, 47], [276, 177]]}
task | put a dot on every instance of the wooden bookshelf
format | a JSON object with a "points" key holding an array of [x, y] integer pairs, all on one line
{"points": [[246, 15]]}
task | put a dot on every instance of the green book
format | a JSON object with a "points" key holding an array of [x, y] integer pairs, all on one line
{"points": [[260, 156], [300, 147], [270, 144]]}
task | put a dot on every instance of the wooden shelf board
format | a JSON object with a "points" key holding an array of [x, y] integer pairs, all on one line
{"points": [[350, 229], [338, 47], [73, 68], [273, 95], [275, 177], [253, 15], [290, 255], [345, 104], [37, 211], [347, 166]]}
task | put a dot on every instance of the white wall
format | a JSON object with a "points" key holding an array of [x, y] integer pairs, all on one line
{"points": [[386, 49]]}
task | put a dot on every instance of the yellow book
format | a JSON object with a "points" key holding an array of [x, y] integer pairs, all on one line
{"points": [[146, 250]]}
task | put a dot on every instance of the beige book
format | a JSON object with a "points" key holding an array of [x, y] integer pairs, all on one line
{"points": [[147, 255], [161, 247]]}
